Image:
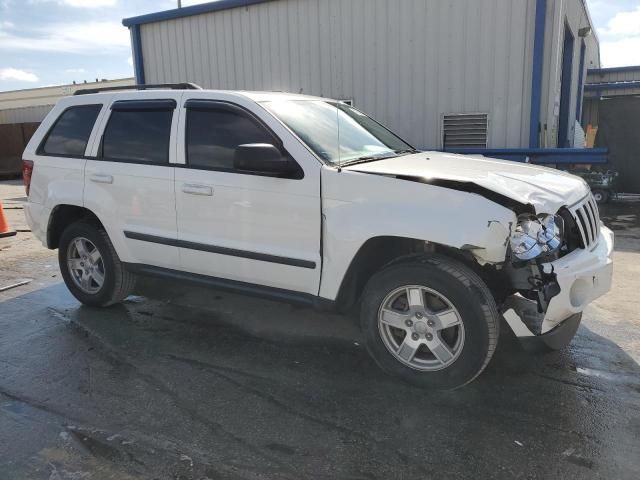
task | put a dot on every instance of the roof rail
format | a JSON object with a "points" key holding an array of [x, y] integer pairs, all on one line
{"points": [[170, 86]]}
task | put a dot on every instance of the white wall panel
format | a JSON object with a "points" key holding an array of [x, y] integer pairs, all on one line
{"points": [[406, 62], [32, 114]]}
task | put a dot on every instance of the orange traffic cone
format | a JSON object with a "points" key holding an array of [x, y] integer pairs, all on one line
{"points": [[5, 229]]}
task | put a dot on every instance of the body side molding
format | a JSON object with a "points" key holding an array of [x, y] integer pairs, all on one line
{"points": [[263, 257]]}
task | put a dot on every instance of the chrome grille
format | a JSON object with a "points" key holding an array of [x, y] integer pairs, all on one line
{"points": [[587, 218]]}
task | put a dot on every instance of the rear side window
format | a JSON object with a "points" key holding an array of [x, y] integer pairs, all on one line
{"points": [[213, 136], [70, 133], [138, 136]]}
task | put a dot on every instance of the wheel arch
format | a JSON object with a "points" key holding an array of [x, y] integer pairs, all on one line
{"points": [[379, 252], [64, 215]]}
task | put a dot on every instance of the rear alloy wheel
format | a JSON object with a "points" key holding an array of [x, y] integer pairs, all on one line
{"points": [[86, 265], [90, 266], [431, 321]]}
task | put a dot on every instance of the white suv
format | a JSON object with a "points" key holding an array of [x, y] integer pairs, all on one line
{"points": [[309, 200]]}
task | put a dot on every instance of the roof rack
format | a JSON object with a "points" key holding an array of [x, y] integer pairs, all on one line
{"points": [[170, 86]]}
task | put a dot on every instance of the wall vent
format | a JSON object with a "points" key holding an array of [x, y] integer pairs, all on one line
{"points": [[465, 130]]}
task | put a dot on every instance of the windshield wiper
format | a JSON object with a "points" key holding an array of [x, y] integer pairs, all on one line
{"points": [[368, 159], [373, 158]]}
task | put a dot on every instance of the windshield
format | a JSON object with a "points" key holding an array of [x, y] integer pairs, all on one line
{"points": [[316, 123]]}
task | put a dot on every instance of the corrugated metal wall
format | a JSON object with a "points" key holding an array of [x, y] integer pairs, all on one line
{"points": [[627, 74], [594, 98], [614, 76], [24, 114], [590, 112], [33, 104], [406, 62]]}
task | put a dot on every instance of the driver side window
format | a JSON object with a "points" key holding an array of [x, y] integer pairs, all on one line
{"points": [[212, 136]]}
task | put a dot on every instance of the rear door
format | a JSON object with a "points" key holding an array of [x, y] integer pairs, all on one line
{"points": [[129, 184], [246, 227]]}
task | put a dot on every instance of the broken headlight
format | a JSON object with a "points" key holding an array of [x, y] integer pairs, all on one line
{"points": [[536, 236]]}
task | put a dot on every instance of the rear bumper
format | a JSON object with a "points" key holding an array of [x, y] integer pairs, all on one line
{"points": [[37, 218]]}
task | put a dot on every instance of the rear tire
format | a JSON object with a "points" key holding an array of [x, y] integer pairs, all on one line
{"points": [[91, 267], [431, 321]]}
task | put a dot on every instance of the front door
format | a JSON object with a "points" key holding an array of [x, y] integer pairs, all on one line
{"points": [[245, 227]]}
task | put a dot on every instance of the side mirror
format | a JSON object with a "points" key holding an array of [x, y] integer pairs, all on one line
{"points": [[263, 158]]}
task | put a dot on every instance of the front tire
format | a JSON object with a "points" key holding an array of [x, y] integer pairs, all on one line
{"points": [[90, 266], [430, 321]]}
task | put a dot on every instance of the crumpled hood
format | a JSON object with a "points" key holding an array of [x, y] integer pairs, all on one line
{"points": [[545, 188]]}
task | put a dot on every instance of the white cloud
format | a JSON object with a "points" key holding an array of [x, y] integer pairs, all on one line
{"points": [[90, 3], [16, 74], [620, 39], [85, 37], [620, 53], [130, 61], [624, 23]]}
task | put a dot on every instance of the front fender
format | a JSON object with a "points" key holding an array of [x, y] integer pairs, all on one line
{"points": [[358, 206]]}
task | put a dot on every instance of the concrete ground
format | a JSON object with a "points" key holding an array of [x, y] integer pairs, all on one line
{"points": [[204, 384]]}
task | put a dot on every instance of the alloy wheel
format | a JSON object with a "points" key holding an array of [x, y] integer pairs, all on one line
{"points": [[421, 328], [86, 265]]}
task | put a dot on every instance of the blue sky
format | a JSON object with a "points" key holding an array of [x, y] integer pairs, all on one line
{"points": [[50, 42]]}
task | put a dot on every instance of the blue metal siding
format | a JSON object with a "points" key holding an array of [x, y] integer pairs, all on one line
{"points": [[632, 68], [538, 66], [599, 87], [583, 52], [138, 61], [566, 84]]}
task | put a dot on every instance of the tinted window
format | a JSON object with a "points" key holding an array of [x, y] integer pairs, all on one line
{"points": [[70, 134], [337, 132], [138, 136], [214, 135]]}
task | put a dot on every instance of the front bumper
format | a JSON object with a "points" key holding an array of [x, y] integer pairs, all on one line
{"points": [[582, 277]]}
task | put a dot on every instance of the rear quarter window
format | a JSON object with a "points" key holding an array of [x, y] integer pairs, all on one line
{"points": [[70, 133]]}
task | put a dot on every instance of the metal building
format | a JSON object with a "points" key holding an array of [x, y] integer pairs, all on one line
{"points": [[612, 109], [21, 111], [32, 105], [605, 84], [498, 76]]}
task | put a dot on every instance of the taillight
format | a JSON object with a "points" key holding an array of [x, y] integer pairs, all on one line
{"points": [[27, 171]]}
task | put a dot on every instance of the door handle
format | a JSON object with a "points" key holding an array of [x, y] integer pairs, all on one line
{"points": [[101, 178], [201, 190]]}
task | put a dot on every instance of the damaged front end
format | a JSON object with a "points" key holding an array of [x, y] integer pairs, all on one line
{"points": [[525, 310], [556, 265]]}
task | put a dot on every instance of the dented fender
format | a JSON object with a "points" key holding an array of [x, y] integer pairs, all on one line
{"points": [[358, 207]]}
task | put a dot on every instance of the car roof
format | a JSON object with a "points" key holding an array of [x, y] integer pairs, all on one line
{"points": [[256, 96]]}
